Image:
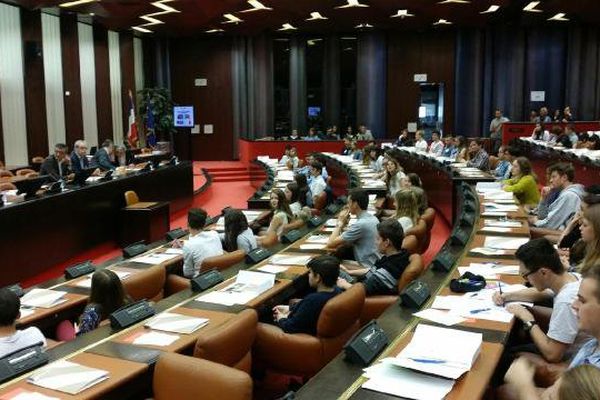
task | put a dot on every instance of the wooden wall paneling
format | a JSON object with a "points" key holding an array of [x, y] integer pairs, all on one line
{"points": [[1, 134], [410, 53], [103, 101], [149, 62], [71, 78], [127, 75], [210, 59], [35, 90]]}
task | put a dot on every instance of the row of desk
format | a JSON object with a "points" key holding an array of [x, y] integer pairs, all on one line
{"points": [[40, 233]]}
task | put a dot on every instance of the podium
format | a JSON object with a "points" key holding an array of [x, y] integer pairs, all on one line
{"points": [[147, 221]]}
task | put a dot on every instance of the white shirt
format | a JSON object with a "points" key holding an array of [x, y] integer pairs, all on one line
{"points": [[436, 148], [200, 246], [421, 145], [21, 339], [317, 185]]}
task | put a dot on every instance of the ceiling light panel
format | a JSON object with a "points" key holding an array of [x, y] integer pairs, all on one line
{"points": [[76, 3], [352, 4], [402, 14], [256, 6], [315, 15], [558, 17], [492, 9], [531, 7]]}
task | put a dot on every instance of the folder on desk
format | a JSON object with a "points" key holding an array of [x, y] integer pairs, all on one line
{"points": [[440, 351], [44, 298], [177, 323], [67, 377]]}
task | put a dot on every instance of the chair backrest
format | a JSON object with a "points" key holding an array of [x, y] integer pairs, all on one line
{"points": [[321, 201], [32, 175], [494, 162], [187, 378], [341, 312], [410, 244], [24, 172], [413, 270], [7, 186], [146, 284], [131, 198], [420, 231], [7, 173], [429, 217], [223, 261], [230, 343], [37, 160]]}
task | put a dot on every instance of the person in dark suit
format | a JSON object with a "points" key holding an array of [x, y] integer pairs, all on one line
{"points": [[123, 157], [79, 160], [57, 165], [103, 157]]}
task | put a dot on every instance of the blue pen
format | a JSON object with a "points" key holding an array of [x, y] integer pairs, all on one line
{"points": [[428, 361], [480, 310]]}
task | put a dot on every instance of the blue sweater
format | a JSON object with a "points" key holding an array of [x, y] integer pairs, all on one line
{"points": [[304, 315]]}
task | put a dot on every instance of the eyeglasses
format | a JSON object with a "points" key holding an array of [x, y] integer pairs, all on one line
{"points": [[526, 274]]}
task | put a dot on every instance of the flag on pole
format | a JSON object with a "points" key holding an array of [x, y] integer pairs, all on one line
{"points": [[132, 133], [150, 135]]}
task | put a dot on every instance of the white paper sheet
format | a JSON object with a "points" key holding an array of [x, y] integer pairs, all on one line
{"points": [[281, 259], [176, 323], [44, 298], [27, 395], [494, 214], [498, 229], [322, 239], [26, 312], [504, 243], [505, 224], [396, 381], [272, 269], [487, 251], [312, 246], [441, 317], [155, 339], [68, 377], [154, 258], [174, 251]]}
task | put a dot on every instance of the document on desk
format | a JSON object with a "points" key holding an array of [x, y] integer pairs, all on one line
{"points": [[26, 312], [504, 243], [489, 269], [154, 258], [440, 317], [87, 281], [43, 298], [247, 286], [496, 229], [501, 207], [22, 394], [502, 224], [312, 246], [486, 251], [282, 259], [176, 323], [272, 269], [440, 351], [385, 377], [67, 377], [498, 195], [155, 339], [323, 239], [483, 187], [174, 250]]}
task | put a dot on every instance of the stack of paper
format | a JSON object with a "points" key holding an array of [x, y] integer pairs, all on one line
{"points": [[248, 285], [283, 259], [385, 377], [154, 258], [44, 298], [440, 351], [177, 323], [68, 377], [503, 243], [155, 339]]}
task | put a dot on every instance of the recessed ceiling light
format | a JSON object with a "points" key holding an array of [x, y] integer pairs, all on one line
{"points": [[558, 17], [352, 3], [165, 10], [531, 7], [216, 30], [231, 19], [454, 1], [140, 29], [402, 14], [75, 3], [312, 42], [287, 27], [256, 6], [315, 15], [492, 9], [363, 26], [92, 14], [442, 21]]}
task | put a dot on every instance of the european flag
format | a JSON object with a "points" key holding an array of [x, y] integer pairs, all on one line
{"points": [[150, 135]]}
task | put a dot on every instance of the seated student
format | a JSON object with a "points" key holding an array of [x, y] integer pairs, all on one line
{"points": [[403, 140], [347, 150], [420, 142], [407, 208], [373, 158], [478, 157], [572, 233], [123, 157], [286, 155], [316, 184], [106, 296], [566, 204], [11, 339], [302, 317], [411, 180], [237, 235], [393, 176], [450, 150], [587, 308], [304, 196], [590, 235], [437, 146], [312, 135], [362, 234], [389, 268], [282, 215], [503, 168], [523, 183], [462, 150], [421, 198], [292, 194], [200, 245], [540, 265], [355, 151]]}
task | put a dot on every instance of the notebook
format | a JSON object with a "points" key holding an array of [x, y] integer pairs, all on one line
{"points": [[177, 323], [67, 377]]}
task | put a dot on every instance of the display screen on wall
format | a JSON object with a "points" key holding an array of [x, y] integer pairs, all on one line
{"points": [[183, 116]]}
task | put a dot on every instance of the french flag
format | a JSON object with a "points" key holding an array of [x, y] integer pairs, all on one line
{"points": [[132, 133]]}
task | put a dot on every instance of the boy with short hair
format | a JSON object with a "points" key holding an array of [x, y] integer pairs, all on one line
{"points": [[11, 339]]}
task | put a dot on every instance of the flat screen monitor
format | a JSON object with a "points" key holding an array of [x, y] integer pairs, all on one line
{"points": [[314, 111], [183, 116]]}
